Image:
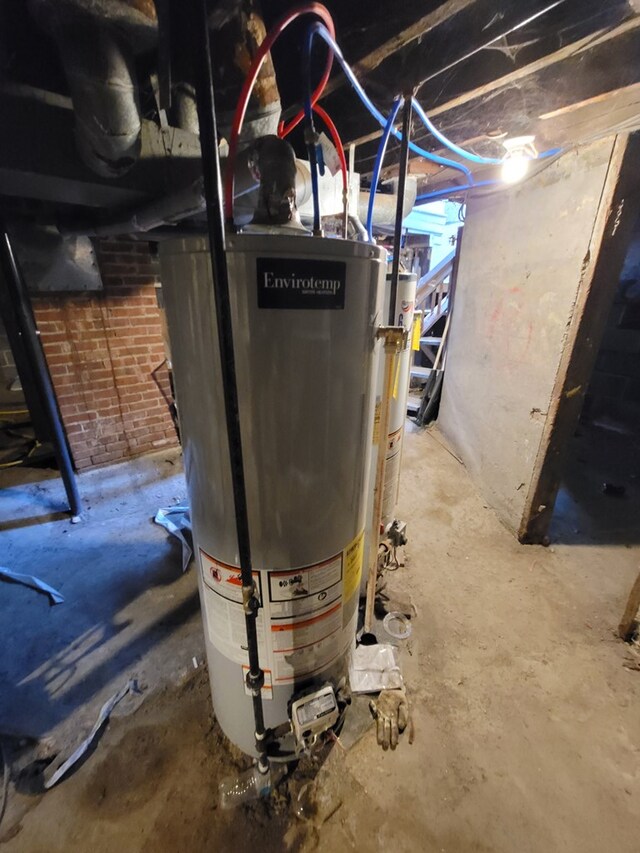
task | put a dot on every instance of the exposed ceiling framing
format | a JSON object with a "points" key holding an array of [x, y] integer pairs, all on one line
{"points": [[566, 71]]}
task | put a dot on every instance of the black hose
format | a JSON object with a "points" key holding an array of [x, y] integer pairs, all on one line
{"points": [[23, 313], [205, 98], [402, 180]]}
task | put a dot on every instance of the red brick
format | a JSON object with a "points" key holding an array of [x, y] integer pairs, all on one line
{"points": [[101, 349]]}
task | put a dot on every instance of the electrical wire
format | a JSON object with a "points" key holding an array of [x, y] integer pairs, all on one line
{"points": [[337, 141], [241, 108], [377, 168]]}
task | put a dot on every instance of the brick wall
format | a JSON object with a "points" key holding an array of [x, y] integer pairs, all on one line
{"points": [[103, 351]]}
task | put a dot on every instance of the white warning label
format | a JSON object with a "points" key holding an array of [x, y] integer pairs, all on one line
{"points": [[224, 613], [226, 627], [302, 647], [303, 591], [225, 580], [301, 618]]}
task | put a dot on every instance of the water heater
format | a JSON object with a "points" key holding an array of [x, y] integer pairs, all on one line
{"points": [[305, 313], [403, 317], [404, 311]]}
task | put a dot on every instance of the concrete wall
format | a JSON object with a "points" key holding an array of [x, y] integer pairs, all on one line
{"points": [[103, 350], [523, 252]]}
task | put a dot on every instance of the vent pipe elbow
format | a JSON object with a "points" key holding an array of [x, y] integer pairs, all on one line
{"points": [[95, 45], [101, 77]]}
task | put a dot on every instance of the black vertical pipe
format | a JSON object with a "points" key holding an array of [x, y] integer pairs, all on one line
{"points": [[215, 223], [23, 312], [402, 181]]}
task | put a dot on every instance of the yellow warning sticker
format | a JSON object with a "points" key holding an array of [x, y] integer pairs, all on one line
{"points": [[353, 557], [376, 422], [416, 332]]}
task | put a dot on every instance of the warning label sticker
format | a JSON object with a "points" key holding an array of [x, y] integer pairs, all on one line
{"points": [[353, 557], [302, 647], [302, 616], [226, 628], [299, 592], [225, 580]]}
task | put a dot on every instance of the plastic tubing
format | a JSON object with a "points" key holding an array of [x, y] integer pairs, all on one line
{"points": [[375, 177], [243, 100], [452, 191], [319, 29], [467, 155], [461, 152]]}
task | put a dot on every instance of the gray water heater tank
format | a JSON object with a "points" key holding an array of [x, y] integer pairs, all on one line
{"points": [[305, 312]]}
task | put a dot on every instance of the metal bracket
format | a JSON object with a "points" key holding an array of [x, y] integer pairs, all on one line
{"points": [[250, 602], [395, 337]]}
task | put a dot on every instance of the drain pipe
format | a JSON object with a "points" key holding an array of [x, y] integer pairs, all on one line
{"points": [[21, 305], [205, 99]]}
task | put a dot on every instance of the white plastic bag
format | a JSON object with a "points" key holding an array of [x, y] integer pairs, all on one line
{"points": [[374, 668]]}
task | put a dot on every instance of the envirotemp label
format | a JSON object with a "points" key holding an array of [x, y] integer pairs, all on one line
{"points": [[301, 283]]}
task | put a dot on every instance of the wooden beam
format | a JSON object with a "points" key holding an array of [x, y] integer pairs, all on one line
{"points": [[508, 80], [593, 118], [465, 36], [628, 624], [617, 213], [417, 30]]}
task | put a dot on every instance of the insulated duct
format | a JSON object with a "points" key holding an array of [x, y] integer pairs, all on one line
{"points": [[95, 41], [101, 78]]}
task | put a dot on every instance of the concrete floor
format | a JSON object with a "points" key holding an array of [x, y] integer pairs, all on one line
{"points": [[527, 722], [128, 610]]}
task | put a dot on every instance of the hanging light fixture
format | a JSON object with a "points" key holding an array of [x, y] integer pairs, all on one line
{"points": [[520, 150]]}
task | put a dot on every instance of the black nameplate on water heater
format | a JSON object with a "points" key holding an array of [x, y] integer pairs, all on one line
{"points": [[301, 283]]}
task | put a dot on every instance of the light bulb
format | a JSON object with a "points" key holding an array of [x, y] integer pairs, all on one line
{"points": [[520, 152], [514, 167]]}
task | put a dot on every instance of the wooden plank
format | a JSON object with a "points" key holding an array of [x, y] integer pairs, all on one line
{"points": [[417, 30], [617, 213], [520, 265], [540, 54], [574, 48], [596, 66], [628, 623]]}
